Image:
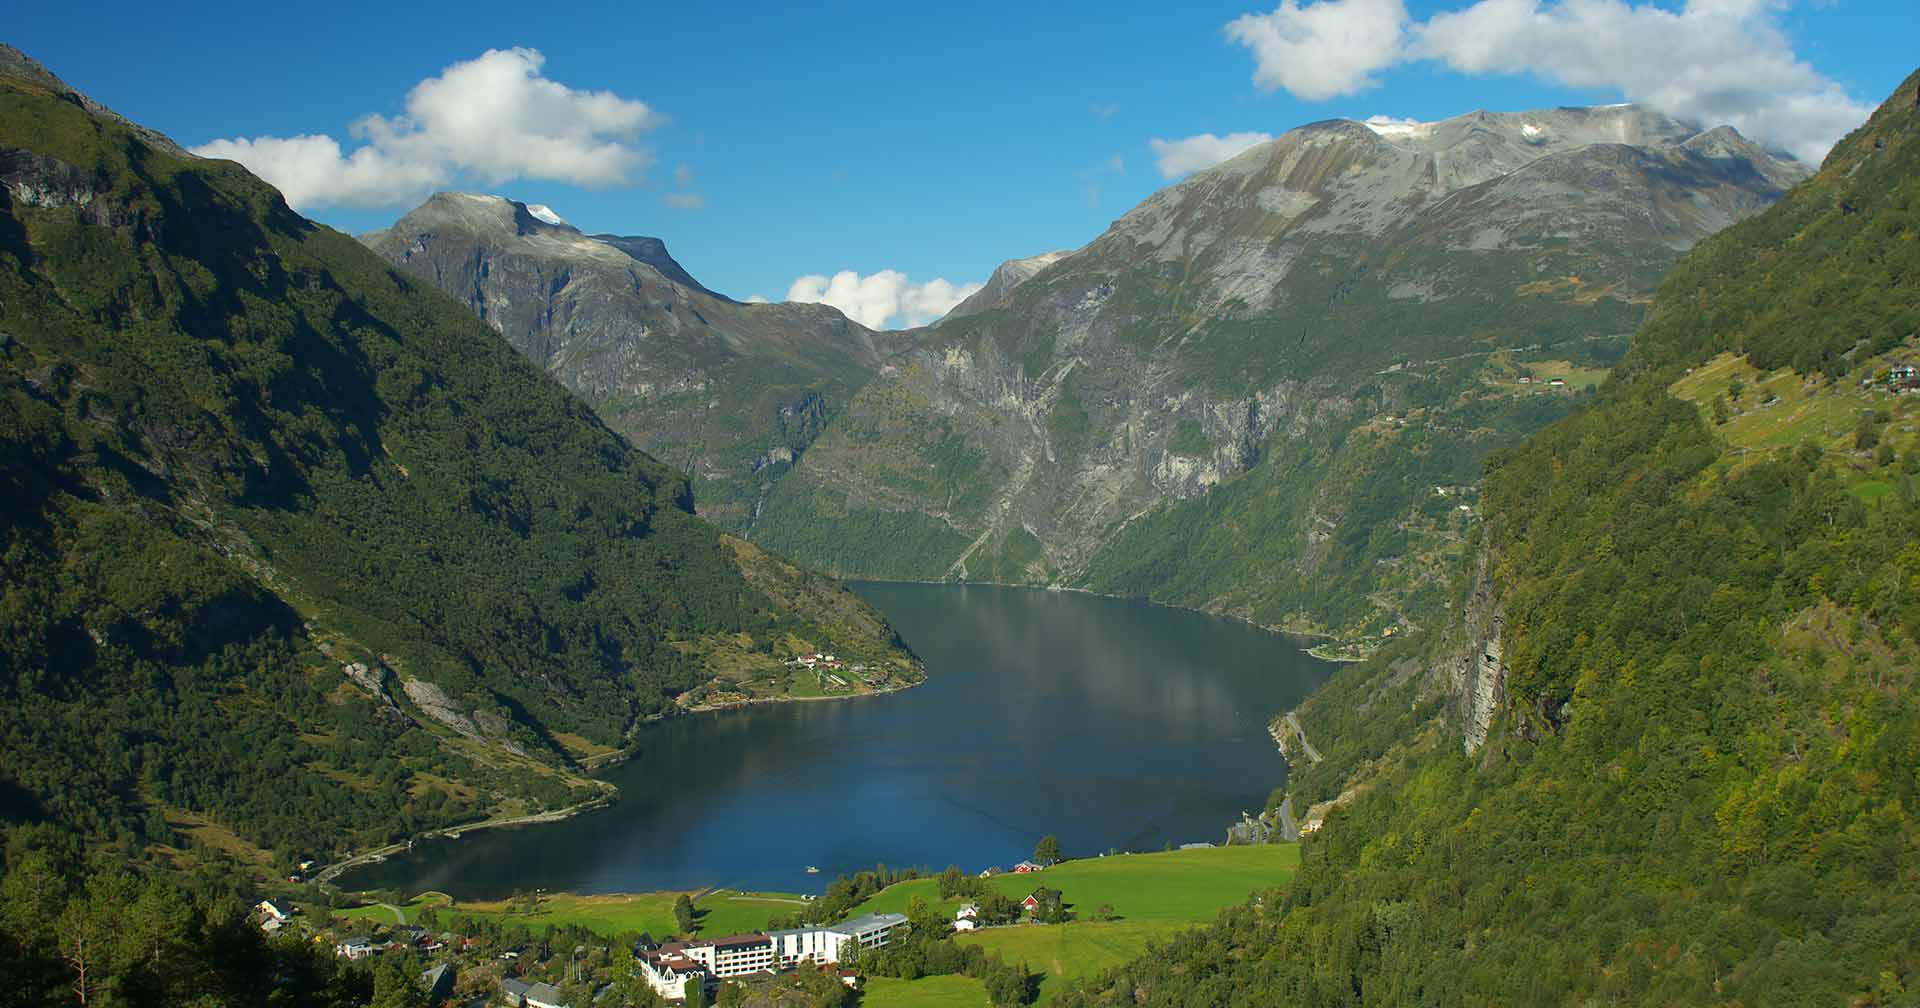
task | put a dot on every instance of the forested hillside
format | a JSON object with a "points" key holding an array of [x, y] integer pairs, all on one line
{"points": [[1698, 782], [297, 555]]}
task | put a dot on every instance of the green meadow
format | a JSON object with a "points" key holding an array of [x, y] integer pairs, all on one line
{"points": [[1152, 896]]}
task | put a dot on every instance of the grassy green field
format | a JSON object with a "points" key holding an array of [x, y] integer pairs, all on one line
{"points": [[722, 912], [1062, 953], [1154, 895], [1784, 409], [1173, 886], [926, 992]]}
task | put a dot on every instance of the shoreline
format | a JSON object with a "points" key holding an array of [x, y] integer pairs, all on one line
{"points": [[377, 855], [608, 795], [756, 701], [1281, 631]]}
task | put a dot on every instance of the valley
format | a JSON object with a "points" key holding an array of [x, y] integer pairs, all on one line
{"points": [[1497, 534]]}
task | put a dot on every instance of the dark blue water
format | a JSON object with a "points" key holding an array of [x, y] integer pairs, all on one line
{"points": [[1111, 724]]}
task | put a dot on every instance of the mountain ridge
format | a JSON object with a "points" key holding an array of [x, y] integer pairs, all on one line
{"points": [[1335, 316], [731, 392]]}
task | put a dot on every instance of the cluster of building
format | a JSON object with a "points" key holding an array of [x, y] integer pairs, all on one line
{"points": [[828, 665], [671, 967]]}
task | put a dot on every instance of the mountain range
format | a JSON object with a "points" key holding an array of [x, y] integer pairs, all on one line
{"points": [[1266, 391]]}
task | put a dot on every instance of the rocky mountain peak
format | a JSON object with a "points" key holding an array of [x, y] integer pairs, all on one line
{"points": [[532, 227], [1006, 277], [1344, 176]]}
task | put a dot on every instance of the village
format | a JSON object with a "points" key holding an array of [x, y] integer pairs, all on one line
{"points": [[514, 968]]}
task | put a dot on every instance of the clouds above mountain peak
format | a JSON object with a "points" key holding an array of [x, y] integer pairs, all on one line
{"points": [[1175, 158], [887, 299], [493, 118], [1708, 61]]}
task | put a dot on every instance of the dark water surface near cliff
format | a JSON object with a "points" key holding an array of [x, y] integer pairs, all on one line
{"points": [[1112, 724]]}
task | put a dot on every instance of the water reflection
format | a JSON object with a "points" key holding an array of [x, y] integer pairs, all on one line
{"points": [[1111, 724]]}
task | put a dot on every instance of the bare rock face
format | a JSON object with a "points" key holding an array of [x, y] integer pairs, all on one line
{"points": [[1000, 285], [706, 383], [1241, 396], [1476, 677]]}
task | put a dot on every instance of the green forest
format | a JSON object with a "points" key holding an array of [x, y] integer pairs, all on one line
{"points": [[298, 548], [1701, 787]]}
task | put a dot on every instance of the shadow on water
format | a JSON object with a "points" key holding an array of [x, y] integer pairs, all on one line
{"points": [[1112, 724]]}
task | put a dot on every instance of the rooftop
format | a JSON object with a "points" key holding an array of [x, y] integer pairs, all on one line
{"points": [[868, 922], [739, 941]]}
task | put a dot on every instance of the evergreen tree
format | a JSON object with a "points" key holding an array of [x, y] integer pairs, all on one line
{"points": [[683, 913]]}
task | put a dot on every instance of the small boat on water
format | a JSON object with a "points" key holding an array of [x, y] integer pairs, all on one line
{"points": [[812, 870]]}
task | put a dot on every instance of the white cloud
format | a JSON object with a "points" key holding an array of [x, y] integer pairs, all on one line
{"points": [[312, 171], [1710, 61], [493, 118], [1175, 158], [1323, 49], [878, 299]]}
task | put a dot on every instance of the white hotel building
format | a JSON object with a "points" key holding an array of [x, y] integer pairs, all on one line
{"points": [[824, 944], [670, 968]]}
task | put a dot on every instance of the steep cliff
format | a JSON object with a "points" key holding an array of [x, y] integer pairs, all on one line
{"points": [[728, 393], [1268, 389]]}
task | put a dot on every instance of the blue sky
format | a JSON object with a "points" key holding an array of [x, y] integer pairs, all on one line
{"points": [[766, 143]]}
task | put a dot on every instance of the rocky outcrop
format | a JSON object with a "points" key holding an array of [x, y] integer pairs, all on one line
{"points": [[1000, 285], [731, 393], [1476, 675]]}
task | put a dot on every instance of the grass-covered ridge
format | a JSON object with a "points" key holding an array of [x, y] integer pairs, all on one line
{"points": [[1699, 788], [300, 547]]}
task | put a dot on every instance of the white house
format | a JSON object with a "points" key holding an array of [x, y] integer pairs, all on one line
{"points": [[668, 971], [966, 918], [273, 910]]}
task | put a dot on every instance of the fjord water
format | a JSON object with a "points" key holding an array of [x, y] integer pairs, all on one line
{"points": [[1111, 724]]}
